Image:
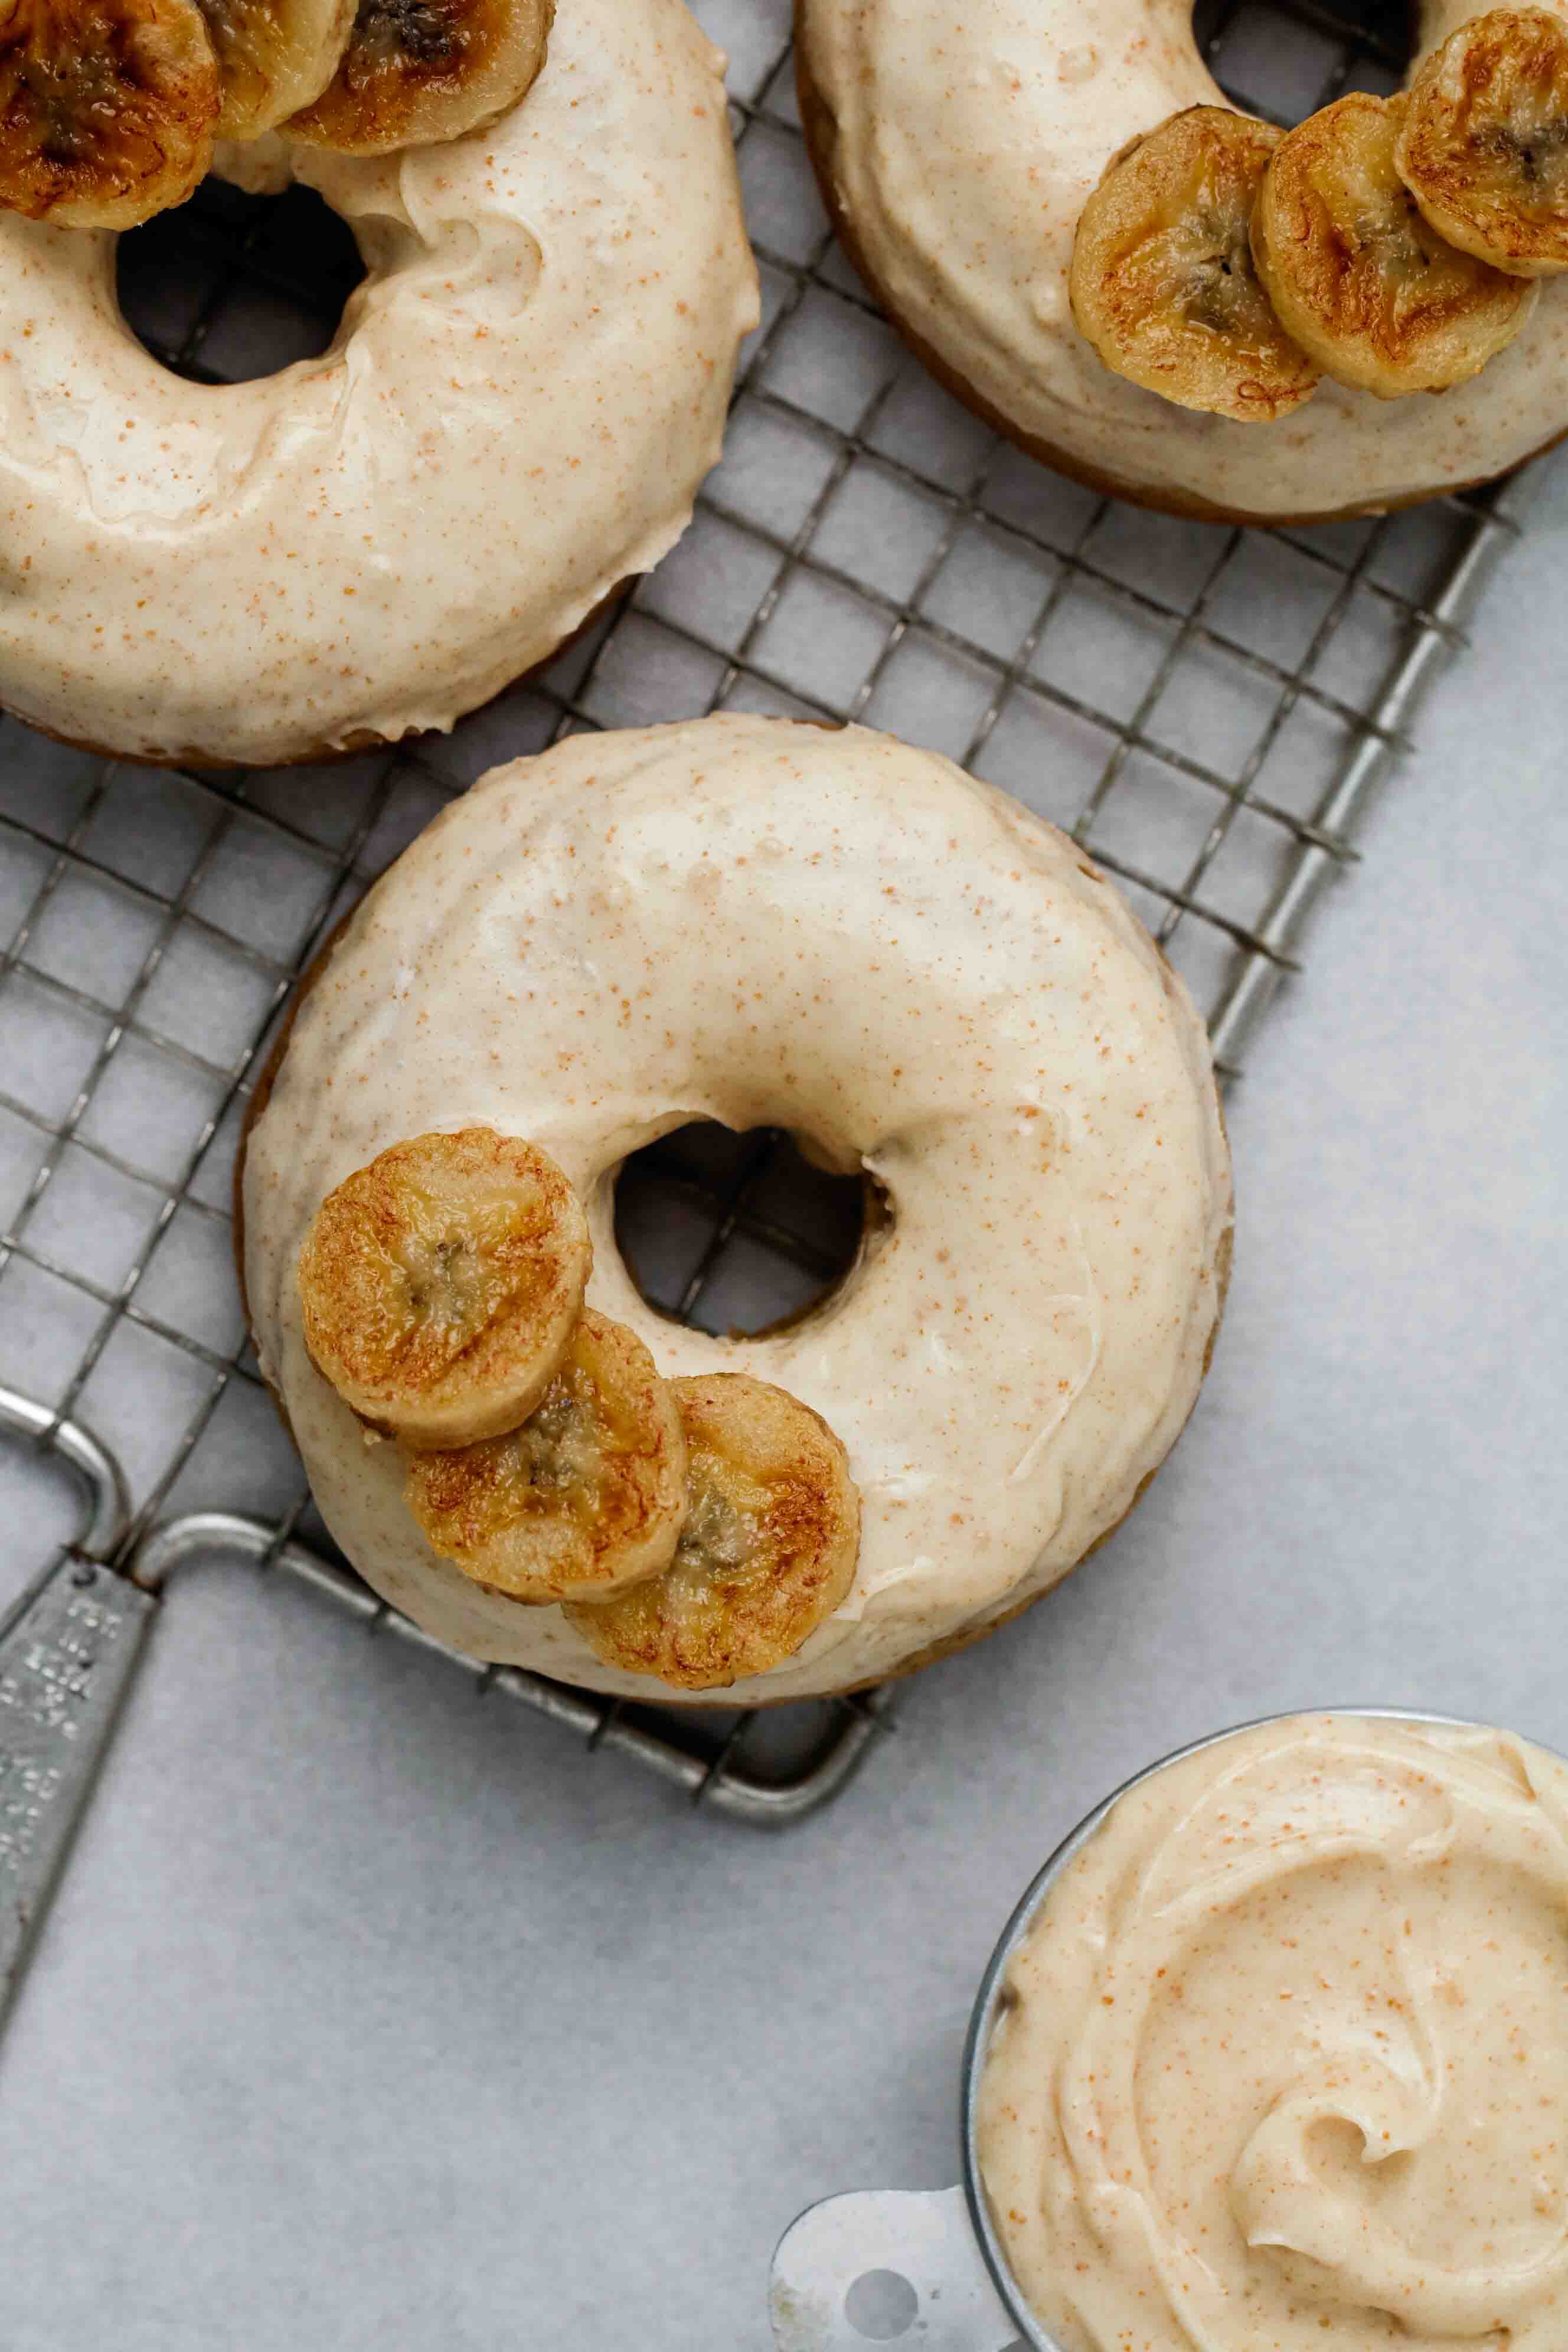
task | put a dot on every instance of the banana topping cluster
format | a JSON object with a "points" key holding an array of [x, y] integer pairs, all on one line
{"points": [[695, 1530], [1389, 244], [110, 108]]}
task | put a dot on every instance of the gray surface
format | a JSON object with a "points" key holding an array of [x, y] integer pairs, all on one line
{"points": [[368, 2018], [374, 2016]]}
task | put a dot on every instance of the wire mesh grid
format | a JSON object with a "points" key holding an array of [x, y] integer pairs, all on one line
{"points": [[1205, 710]]}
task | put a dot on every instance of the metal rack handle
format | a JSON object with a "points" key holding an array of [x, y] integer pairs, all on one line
{"points": [[721, 1784], [69, 1647]]}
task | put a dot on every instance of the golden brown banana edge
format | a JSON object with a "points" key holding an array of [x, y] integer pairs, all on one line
{"points": [[821, 140]]}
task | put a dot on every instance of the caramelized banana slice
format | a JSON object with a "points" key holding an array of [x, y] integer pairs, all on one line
{"points": [[274, 57], [417, 71], [1163, 282], [1484, 144], [108, 109], [1364, 284], [441, 1285], [586, 1498], [768, 1550]]}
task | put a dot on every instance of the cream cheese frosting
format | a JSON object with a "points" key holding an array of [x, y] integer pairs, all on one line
{"points": [[514, 416], [765, 923], [965, 138], [1282, 2061]]}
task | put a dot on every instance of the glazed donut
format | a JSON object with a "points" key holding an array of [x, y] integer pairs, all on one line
{"points": [[766, 923], [956, 149], [522, 398]]}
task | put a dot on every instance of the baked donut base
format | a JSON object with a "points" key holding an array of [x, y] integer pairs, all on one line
{"points": [[821, 139], [329, 755], [660, 1694]]}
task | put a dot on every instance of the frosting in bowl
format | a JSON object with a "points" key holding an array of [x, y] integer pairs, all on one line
{"points": [[514, 416], [765, 923], [961, 144], [1282, 2060]]}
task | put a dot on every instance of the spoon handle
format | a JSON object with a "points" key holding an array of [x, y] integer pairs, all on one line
{"points": [[66, 1659]]}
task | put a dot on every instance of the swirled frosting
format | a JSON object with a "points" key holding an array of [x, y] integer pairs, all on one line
{"points": [[514, 416], [1282, 2064], [763, 923], [964, 143]]}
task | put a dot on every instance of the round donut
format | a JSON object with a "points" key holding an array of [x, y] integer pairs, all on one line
{"points": [[957, 148], [766, 923], [515, 413]]}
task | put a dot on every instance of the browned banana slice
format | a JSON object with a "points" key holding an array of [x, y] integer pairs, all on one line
{"points": [[768, 1550], [417, 71], [586, 1498], [1484, 146], [274, 57], [107, 108], [1364, 284], [440, 1285], [1162, 281]]}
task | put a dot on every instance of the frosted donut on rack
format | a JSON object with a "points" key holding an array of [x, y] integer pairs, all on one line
{"points": [[958, 150], [765, 923], [513, 419]]}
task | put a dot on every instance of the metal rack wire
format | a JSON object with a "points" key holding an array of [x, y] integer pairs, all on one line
{"points": [[1206, 710]]}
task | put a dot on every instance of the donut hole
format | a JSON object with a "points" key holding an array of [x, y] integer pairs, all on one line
{"points": [[1283, 62], [231, 287], [739, 1233]]}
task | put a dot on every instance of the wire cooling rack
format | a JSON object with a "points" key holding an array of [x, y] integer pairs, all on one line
{"points": [[1206, 710]]}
